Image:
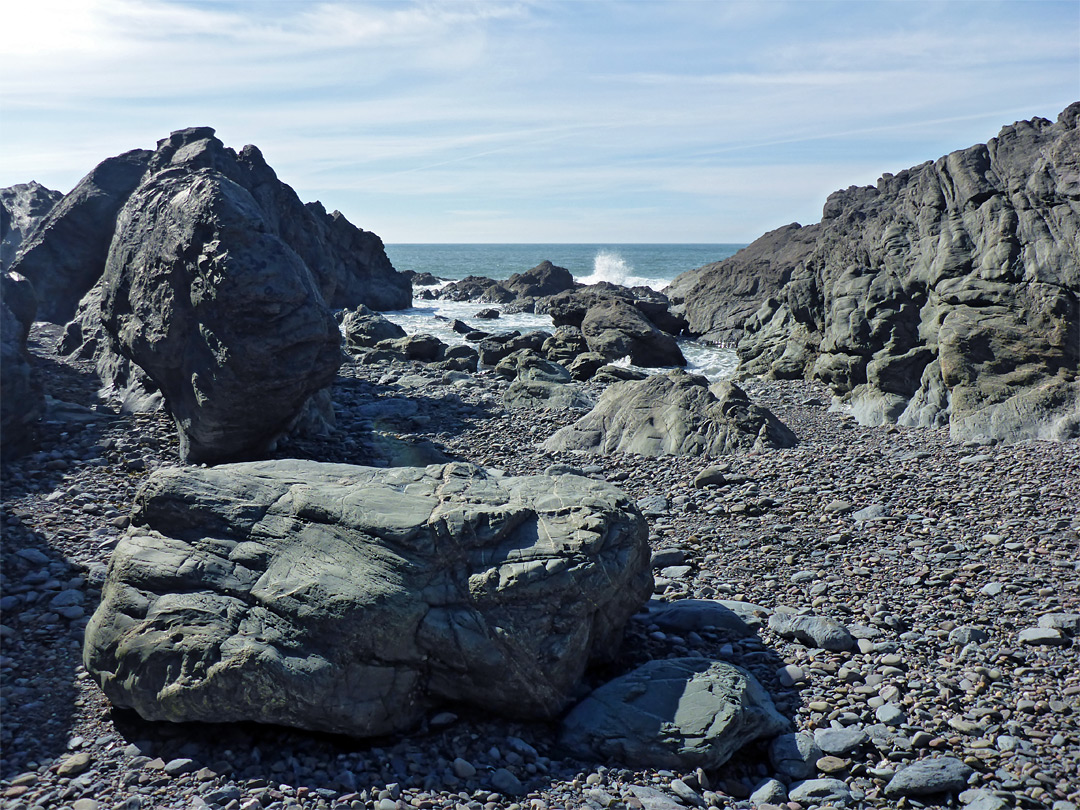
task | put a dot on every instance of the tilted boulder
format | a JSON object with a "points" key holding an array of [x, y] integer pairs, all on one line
{"points": [[681, 713], [22, 207], [201, 293], [675, 414], [353, 599], [616, 329]]}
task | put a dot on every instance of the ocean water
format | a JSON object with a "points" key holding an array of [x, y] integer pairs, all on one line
{"points": [[631, 265]]}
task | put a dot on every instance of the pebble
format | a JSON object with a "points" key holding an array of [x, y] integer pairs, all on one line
{"points": [[840, 741], [794, 755], [929, 776], [820, 791], [1036, 636]]}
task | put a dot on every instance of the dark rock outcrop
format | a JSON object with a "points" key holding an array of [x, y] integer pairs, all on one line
{"points": [[947, 294], [23, 400], [65, 256], [675, 414], [353, 599], [544, 279], [718, 298], [22, 207]]}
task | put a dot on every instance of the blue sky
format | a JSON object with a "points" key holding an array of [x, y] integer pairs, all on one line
{"points": [[537, 121]]}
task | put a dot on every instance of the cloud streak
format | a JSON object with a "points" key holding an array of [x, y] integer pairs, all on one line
{"points": [[646, 119]]}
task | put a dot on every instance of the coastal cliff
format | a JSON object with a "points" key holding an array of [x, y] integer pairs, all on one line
{"points": [[947, 294]]}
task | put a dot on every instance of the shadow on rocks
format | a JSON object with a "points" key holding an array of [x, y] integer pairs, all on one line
{"points": [[386, 426], [44, 612]]}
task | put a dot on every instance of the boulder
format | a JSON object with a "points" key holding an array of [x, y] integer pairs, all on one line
{"points": [[813, 631], [221, 313], [494, 349], [545, 394], [944, 295], [569, 308], [617, 329], [526, 364], [353, 599], [362, 328], [673, 414], [544, 279], [422, 347], [566, 344], [680, 713], [586, 365], [476, 288], [22, 207]]}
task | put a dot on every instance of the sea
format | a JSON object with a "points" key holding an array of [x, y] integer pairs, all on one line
{"points": [[632, 265]]}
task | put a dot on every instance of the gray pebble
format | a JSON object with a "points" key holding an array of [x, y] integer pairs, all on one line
{"points": [[820, 791], [929, 776]]}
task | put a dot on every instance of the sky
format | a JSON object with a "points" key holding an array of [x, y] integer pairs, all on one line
{"points": [[537, 121]]}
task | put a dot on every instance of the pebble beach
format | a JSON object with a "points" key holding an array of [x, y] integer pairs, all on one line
{"points": [[956, 567]]}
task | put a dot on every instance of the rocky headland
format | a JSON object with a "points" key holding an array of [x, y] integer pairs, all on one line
{"points": [[945, 295], [511, 573]]}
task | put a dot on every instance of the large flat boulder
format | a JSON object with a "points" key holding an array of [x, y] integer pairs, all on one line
{"points": [[676, 414], [353, 599]]}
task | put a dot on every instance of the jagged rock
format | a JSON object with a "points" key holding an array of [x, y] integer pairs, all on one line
{"points": [[616, 329], [65, 255], [613, 373], [23, 402], [544, 279], [673, 414], [476, 288], [354, 599], [22, 207], [586, 365], [362, 328], [947, 294], [460, 358], [569, 308], [565, 345], [201, 293], [718, 298], [680, 713]]}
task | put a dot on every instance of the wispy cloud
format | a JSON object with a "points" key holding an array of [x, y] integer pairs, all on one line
{"points": [[643, 119]]}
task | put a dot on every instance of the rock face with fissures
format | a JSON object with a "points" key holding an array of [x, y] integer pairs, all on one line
{"points": [[353, 599]]}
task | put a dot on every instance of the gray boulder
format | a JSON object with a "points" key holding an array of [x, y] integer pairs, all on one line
{"points": [[533, 394], [565, 345], [680, 713], [22, 207], [929, 776], [495, 348], [813, 631], [420, 347], [66, 254], [673, 414], [616, 329], [362, 328], [795, 755], [353, 599], [221, 313]]}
